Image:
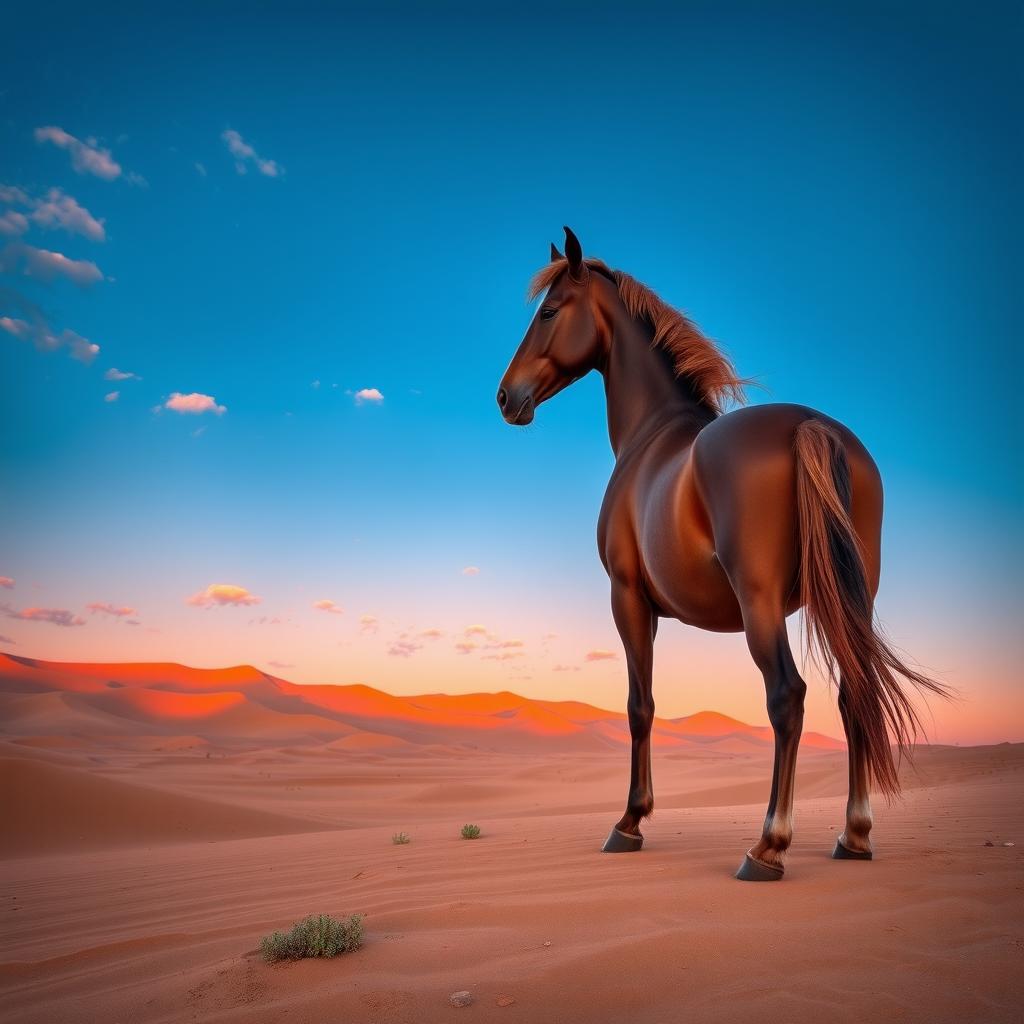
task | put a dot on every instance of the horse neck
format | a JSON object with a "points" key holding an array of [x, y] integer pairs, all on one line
{"points": [[641, 387]]}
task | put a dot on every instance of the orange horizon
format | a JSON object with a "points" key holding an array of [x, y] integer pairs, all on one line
{"points": [[169, 691]]}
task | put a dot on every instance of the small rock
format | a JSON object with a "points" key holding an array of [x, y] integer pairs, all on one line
{"points": [[505, 1001], [1007, 844], [548, 943], [988, 842], [460, 998]]}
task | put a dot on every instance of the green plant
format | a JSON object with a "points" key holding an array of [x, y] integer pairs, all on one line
{"points": [[470, 831], [401, 838], [316, 935]]}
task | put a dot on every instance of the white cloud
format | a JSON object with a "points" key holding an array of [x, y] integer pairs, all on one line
{"points": [[371, 395], [13, 194], [194, 404], [13, 223], [245, 155], [59, 210], [111, 396], [46, 341], [47, 265], [87, 157], [115, 374]]}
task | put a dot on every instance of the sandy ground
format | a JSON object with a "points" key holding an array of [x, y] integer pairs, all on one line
{"points": [[138, 878]]}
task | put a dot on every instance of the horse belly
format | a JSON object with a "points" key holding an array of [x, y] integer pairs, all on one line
{"points": [[684, 576]]}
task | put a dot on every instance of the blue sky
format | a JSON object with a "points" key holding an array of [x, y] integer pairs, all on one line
{"points": [[831, 194]]}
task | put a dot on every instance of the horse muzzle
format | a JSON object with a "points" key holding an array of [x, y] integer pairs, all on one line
{"points": [[516, 405]]}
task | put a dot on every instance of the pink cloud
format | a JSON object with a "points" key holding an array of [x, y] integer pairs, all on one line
{"points": [[222, 594], [7, 582], [86, 156], [46, 341], [194, 404], [55, 616], [328, 606], [47, 265], [503, 656], [565, 668], [82, 349], [245, 154], [600, 655], [466, 646], [13, 223], [59, 210], [372, 395], [280, 664], [470, 570], [115, 374], [505, 644], [475, 630], [111, 396], [368, 623], [108, 609], [431, 634], [403, 647]]}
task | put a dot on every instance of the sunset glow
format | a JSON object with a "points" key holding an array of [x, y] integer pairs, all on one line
{"points": [[253, 326]]}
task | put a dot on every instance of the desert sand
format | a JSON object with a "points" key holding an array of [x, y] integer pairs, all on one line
{"points": [[158, 820]]}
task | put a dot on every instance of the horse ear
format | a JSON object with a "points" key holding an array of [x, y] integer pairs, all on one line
{"points": [[574, 254], [555, 254]]}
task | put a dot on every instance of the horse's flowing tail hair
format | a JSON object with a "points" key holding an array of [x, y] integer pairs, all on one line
{"points": [[838, 609]]}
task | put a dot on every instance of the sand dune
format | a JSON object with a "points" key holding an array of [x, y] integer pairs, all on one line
{"points": [[137, 886], [47, 807], [158, 820], [242, 704]]}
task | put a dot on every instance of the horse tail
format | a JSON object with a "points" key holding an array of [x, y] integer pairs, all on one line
{"points": [[838, 608]]}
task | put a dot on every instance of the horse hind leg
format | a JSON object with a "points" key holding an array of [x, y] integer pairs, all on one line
{"points": [[765, 626], [854, 843]]}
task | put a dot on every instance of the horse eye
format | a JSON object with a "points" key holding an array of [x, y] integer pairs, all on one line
{"points": [[547, 313]]}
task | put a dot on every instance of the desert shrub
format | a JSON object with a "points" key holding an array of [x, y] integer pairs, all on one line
{"points": [[401, 838], [316, 935], [470, 831]]}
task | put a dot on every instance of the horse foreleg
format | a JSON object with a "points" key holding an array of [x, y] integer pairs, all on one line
{"points": [[854, 843], [636, 623], [769, 646]]}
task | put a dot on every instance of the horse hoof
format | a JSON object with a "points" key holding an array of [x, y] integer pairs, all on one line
{"points": [[622, 842], [845, 853], [757, 871]]}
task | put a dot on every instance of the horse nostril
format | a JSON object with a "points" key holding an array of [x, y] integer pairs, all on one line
{"points": [[502, 398]]}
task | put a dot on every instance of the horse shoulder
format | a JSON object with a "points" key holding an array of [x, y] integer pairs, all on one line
{"points": [[616, 527]]}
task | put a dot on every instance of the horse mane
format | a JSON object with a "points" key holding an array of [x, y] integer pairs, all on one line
{"points": [[696, 358]]}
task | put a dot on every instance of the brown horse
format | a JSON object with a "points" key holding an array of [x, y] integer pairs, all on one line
{"points": [[726, 522]]}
